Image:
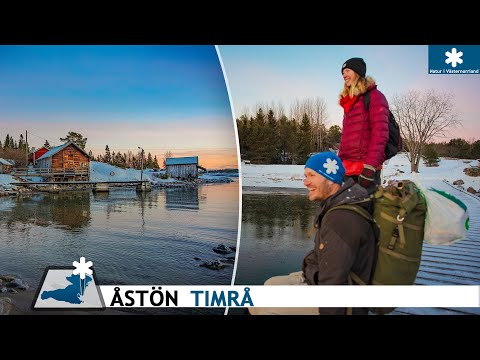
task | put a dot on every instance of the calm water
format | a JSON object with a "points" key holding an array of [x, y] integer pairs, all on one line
{"points": [[274, 236], [132, 238]]}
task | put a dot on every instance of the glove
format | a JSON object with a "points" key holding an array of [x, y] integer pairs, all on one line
{"points": [[367, 177]]}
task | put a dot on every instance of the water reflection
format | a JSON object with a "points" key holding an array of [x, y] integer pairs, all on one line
{"points": [[183, 199], [274, 236], [271, 212], [152, 237], [69, 210]]}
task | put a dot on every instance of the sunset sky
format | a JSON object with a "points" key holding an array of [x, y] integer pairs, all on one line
{"points": [[262, 74], [157, 97]]}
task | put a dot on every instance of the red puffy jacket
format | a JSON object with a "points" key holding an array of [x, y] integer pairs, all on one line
{"points": [[364, 135]]}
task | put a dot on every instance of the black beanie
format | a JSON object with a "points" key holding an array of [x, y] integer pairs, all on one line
{"points": [[357, 65]]}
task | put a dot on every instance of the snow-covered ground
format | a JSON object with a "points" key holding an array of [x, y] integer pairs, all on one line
{"points": [[104, 172], [397, 168]]}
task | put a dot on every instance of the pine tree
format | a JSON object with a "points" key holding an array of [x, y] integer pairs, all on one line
{"points": [[244, 135], [118, 160], [430, 156], [333, 136], [271, 138], [155, 163], [21, 143], [76, 138], [149, 161], [283, 136], [293, 141], [305, 143], [90, 153], [258, 148], [108, 157], [6, 143]]}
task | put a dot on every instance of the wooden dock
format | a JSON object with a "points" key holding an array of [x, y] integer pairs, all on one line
{"points": [[25, 183], [456, 264]]}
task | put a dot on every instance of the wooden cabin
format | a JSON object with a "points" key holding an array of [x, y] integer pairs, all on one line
{"points": [[36, 154], [67, 162], [5, 166], [183, 167]]}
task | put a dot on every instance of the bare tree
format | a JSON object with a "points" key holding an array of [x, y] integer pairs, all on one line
{"points": [[16, 155], [296, 110], [316, 110], [277, 108], [129, 160], [245, 111], [167, 155], [471, 142], [423, 115], [319, 119]]}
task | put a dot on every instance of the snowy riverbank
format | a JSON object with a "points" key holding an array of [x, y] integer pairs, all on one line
{"points": [[102, 172], [398, 168]]}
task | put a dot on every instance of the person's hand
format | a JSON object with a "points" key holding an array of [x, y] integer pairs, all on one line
{"points": [[367, 177]]}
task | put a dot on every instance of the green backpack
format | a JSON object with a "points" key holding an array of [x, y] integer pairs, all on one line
{"points": [[399, 214]]}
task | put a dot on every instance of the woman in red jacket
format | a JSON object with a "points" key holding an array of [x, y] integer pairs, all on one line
{"points": [[364, 133]]}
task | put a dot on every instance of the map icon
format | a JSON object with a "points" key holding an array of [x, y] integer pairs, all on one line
{"points": [[62, 288]]}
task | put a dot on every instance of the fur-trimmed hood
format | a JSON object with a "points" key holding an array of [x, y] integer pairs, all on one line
{"points": [[359, 89], [369, 83]]}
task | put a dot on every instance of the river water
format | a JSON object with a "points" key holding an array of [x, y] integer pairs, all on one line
{"points": [[274, 238], [132, 238]]}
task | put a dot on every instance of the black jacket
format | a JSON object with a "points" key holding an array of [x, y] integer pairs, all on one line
{"points": [[344, 242]]}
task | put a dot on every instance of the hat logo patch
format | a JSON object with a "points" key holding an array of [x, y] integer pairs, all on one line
{"points": [[331, 166]]}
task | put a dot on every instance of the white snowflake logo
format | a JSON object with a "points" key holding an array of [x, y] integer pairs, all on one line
{"points": [[82, 268], [454, 57], [331, 166]]}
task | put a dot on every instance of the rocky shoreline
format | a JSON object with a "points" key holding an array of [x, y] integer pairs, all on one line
{"points": [[16, 295], [12, 190], [15, 190]]}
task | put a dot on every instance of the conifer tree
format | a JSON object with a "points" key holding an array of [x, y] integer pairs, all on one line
{"points": [[6, 143], [305, 143], [107, 157], [21, 143], [149, 161], [430, 156], [76, 138]]}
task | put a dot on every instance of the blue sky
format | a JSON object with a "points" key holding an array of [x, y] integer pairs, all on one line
{"points": [[157, 97], [268, 73]]}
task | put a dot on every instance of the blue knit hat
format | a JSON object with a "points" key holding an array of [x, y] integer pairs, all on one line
{"points": [[327, 164]]}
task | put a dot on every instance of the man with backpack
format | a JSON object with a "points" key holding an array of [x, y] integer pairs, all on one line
{"points": [[344, 240], [365, 129]]}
